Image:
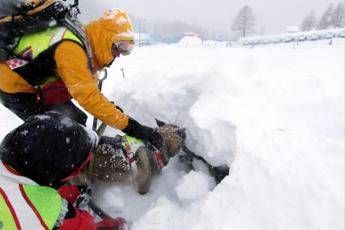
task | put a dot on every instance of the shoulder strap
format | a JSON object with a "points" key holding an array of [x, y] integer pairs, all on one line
{"points": [[78, 30]]}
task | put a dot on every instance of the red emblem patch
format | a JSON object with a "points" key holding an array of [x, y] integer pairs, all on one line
{"points": [[16, 63]]}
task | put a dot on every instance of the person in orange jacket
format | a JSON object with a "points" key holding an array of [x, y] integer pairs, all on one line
{"points": [[53, 66]]}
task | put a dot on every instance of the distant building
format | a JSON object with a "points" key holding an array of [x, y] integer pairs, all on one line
{"points": [[191, 34], [190, 39], [142, 39]]}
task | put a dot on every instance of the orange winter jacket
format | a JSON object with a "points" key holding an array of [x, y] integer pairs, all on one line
{"points": [[73, 69]]}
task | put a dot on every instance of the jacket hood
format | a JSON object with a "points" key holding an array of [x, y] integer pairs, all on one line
{"points": [[114, 26]]}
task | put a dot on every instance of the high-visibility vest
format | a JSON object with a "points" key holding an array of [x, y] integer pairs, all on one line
{"points": [[28, 206], [36, 43], [40, 41]]}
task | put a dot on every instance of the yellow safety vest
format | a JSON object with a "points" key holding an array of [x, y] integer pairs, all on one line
{"points": [[38, 42], [31, 207], [41, 41]]}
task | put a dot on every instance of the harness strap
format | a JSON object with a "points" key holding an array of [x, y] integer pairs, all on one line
{"points": [[159, 158], [130, 155], [62, 16], [131, 145], [77, 29]]}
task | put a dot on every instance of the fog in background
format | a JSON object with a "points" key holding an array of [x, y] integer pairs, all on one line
{"points": [[272, 16]]}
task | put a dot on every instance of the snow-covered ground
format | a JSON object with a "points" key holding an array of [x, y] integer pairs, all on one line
{"points": [[275, 114]]}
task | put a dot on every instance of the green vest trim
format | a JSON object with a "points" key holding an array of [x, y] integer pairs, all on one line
{"points": [[135, 143], [6, 218], [47, 202]]}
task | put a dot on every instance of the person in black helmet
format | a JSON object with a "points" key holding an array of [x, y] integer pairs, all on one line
{"points": [[38, 158]]}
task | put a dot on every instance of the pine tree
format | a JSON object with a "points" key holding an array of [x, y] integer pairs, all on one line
{"points": [[326, 19], [338, 16], [244, 22], [309, 22]]}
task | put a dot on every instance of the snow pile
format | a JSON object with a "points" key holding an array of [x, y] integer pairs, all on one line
{"points": [[275, 115], [201, 186]]}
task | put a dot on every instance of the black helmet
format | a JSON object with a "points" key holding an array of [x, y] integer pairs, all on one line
{"points": [[47, 148]]}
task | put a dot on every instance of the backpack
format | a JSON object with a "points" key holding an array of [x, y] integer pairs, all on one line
{"points": [[19, 17]]}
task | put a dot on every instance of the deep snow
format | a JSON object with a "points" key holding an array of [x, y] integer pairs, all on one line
{"points": [[275, 114]]}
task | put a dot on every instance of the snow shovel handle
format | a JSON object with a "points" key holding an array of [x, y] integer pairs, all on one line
{"points": [[100, 85], [101, 79]]}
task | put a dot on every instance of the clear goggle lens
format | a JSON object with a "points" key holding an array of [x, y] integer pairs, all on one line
{"points": [[125, 47]]}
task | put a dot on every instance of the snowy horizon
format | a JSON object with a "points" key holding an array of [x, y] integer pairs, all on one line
{"points": [[273, 16]]}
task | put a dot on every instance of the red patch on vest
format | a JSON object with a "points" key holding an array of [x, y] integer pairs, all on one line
{"points": [[16, 63]]}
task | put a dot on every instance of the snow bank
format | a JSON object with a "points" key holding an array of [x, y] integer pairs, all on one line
{"points": [[274, 114], [201, 186], [302, 36]]}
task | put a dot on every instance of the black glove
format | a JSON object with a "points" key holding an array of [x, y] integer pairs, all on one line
{"points": [[144, 133]]}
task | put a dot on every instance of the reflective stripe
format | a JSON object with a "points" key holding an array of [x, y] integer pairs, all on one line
{"points": [[35, 206], [8, 217], [45, 202], [32, 207], [9, 169], [29, 207], [57, 36], [10, 177], [25, 216]]}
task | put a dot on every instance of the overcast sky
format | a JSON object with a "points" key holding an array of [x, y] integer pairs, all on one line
{"points": [[272, 15]]}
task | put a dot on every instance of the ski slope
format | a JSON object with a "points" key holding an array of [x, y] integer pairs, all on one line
{"points": [[274, 113]]}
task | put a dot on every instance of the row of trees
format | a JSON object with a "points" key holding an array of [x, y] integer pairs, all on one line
{"points": [[333, 17], [243, 24]]}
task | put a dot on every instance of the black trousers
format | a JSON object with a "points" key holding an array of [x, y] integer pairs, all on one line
{"points": [[25, 105]]}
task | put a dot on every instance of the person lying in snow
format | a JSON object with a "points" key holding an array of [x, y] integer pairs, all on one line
{"points": [[42, 157]]}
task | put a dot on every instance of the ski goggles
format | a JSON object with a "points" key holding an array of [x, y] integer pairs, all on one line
{"points": [[124, 47]]}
